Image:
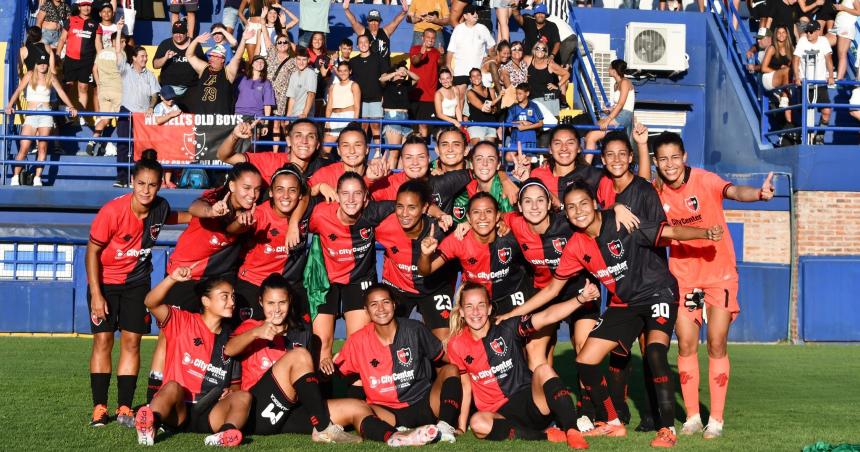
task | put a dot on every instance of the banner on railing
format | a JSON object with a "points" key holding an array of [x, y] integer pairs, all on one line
{"points": [[185, 138]]}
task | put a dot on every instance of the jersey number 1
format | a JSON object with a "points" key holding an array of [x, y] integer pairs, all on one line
{"points": [[269, 413]]}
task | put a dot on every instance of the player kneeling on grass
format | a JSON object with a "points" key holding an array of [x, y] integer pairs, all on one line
{"points": [[278, 371], [513, 403], [196, 394], [394, 358]]}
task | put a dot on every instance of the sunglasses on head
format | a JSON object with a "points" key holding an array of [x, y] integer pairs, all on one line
{"points": [[542, 49], [282, 42]]}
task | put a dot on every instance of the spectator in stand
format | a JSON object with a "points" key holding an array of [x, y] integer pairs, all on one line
{"points": [[516, 70], [759, 14], [284, 65], [254, 93], [107, 27], [125, 10], [170, 58], [33, 48], [344, 102], [214, 95], [776, 67], [230, 14], [470, 43], [813, 60], [320, 62], [448, 102], [190, 7], [139, 95], [820, 10], [302, 87], [503, 17], [313, 16], [275, 24], [163, 112], [424, 60], [561, 8], [108, 79], [527, 117], [344, 52], [38, 84], [428, 15], [846, 29], [220, 37], [482, 8], [755, 54], [537, 29], [367, 67], [52, 17], [492, 64], [379, 35], [483, 105], [397, 83], [784, 13], [546, 78], [78, 41], [254, 21], [620, 111]]}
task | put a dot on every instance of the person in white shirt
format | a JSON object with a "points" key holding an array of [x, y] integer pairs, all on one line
{"points": [[467, 48], [813, 60]]}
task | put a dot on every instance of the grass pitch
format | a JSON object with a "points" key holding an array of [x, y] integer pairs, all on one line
{"points": [[781, 397]]}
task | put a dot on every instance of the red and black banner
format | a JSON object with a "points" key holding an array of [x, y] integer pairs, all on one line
{"points": [[184, 139]]}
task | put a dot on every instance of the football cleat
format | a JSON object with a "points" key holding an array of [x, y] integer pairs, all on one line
{"points": [[227, 438], [606, 429], [714, 429], [447, 432], [144, 423], [665, 438], [100, 416], [420, 436], [125, 416], [555, 435], [692, 426], [334, 434], [575, 440]]}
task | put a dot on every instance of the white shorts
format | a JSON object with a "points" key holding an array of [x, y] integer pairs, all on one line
{"points": [[335, 127], [39, 121], [256, 26], [767, 81], [845, 25], [129, 15], [855, 99]]}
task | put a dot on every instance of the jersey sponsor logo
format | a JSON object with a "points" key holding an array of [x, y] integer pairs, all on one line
{"points": [[692, 203], [558, 244], [504, 254], [666, 207], [142, 253], [154, 230], [397, 377], [404, 356], [265, 363], [615, 248], [459, 212], [685, 221], [198, 341], [127, 237], [498, 370], [269, 249], [374, 362], [274, 232], [186, 358], [215, 241], [498, 345], [395, 250], [611, 272], [365, 233]]}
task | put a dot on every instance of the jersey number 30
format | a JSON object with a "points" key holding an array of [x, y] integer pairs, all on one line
{"points": [[660, 310]]}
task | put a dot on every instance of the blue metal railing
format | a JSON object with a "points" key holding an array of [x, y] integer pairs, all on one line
{"points": [[578, 66], [724, 16], [806, 107]]}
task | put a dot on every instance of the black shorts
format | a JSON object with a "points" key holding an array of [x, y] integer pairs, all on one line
{"points": [[817, 94], [522, 411], [197, 420], [414, 415], [248, 300], [272, 412], [623, 324], [126, 310], [506, 303], [435, 307], [175, 6], [461, 80], [423, 111], [184, 296], [590, 310], [78, 71], [759, 10], [343, 298]]}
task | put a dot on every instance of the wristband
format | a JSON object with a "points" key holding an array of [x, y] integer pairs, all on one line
{"points": [[760, 194]]}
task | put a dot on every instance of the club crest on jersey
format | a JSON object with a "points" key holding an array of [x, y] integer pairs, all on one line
{"points": [[404, 356], [365, 233], [154, 230], [615, 248], [558, 244], [459, 212], [265, 363], [498, 345], [692, 203], [437, 199], [246, 313], [504, 255]]}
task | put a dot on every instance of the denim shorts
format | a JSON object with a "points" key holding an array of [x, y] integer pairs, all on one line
{"points": [[371, 109], [51, 37], [229, 17], [625, 119], [481, 132], [396, 115]]}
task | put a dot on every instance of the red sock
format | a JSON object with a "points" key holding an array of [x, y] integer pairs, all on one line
{"points": [[688, 370], [719, 370]]}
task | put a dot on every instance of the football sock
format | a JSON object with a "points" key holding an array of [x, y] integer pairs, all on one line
{"points": [[650, 392], [718, 381], [504, 429], [584, 406], [560, 404], [688, 372], [99, 384], [307, 386], [657, 356], [450, 399], [595, 384], [153, 385], [374, 429], [619, 372], [126, 385], [225, 427]]}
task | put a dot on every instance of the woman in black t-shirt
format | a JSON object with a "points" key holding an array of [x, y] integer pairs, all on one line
{"points": [[483, 107], [396, 84]]}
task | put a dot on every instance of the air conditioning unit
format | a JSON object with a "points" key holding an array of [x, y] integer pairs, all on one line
{"points": [[656, 47], [601, 53]]}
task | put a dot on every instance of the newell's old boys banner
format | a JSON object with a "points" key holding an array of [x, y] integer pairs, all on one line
{"points": [[185, 138]]}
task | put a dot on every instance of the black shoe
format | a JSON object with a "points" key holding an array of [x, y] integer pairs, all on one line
{"points": [[91, 146], [100, 148], [646, 424], [818, 138]]}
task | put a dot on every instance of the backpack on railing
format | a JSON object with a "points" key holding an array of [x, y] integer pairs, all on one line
{"points": [[194, 178]]}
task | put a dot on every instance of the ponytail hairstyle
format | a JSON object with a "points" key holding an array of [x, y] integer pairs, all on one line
{"points": [[619, 66], [533, 182], [616, 135], [457, 321], [276, 281], [481, 195], [290, 169], [418, 187], [577, 185], [148, 161], [354, 176], [206, 286], [235, 173], [580, 158], [377, 287]]}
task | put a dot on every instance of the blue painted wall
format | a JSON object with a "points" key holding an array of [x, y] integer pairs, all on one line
{"points": [[827, 303]]}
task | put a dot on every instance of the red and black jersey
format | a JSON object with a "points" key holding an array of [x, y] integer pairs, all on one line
{"points": [[385, 189], [348, 251], [499, 266], [640, 196], [445, 187], [127, 240], [396, 375], [206, 241], [556, 184], [400, 266], [496, 363], [81, 38], [329, 174], [270, 162], [268, 251], [259, 357], [195, 355], [629, 265]]}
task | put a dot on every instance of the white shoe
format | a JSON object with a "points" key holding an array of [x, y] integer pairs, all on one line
{"points": [[692, 426], [783, 101], [420, 436], [713, 430], [16, 180], [584, 424], [37, 181], [110, 149], [447, 432], [334, 434]]}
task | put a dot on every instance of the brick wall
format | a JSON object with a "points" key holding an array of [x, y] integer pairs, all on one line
{"points": [[767, 235], [828, 223]]}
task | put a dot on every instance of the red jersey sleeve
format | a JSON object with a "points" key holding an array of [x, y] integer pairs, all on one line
{"points": [[267, 162], [569, 264], [103, 227], [210, 196], [454, 356], [176, 321], [343, 361], [714, 183], [246, 326], [449, 248]]}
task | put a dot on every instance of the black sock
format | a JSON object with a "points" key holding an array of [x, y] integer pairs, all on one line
{"points": [[560, 404], [503, 429], [595, 384], [225, 427], [355, 392], [657, 355], [308, 388], [619, 373], [152, 386], [650, 392], [125, 387], [450, 399], [99, 384], [584, 406], [375, 429]]}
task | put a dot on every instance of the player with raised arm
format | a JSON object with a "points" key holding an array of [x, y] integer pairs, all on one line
{"points": [[513, 402]]}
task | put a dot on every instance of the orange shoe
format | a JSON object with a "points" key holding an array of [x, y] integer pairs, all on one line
{"points": [[125, 416], [575, 440], [665, 438], [604, 429], [100, 416], [555, 435]]}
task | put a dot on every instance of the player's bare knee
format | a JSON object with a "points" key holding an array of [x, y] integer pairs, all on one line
{"points": [[102, 342], [543, 372], [717, 348], [481, 424]]}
